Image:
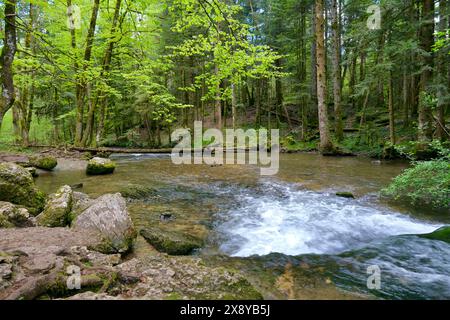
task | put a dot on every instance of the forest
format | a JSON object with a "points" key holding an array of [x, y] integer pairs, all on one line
{"points": [[98, 201], [355, 74]]}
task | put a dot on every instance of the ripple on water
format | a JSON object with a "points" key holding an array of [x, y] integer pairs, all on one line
{"points": [[303, 222]]}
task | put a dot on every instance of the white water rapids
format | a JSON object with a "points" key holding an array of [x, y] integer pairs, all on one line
{"points": [[286, 220]]}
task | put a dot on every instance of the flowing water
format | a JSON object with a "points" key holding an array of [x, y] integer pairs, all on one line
{"points": [[294, 215]]}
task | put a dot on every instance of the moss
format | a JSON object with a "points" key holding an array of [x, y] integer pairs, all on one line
{"points": [[44, 162], [96, 167], [172, 243], [137, 192], [4, 223], [108, 246], [17, 186], [242, 290], [442, 234], [57, 212], [174, 296]]}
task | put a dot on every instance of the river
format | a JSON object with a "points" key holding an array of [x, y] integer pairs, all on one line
{"points": [[291, 218]]}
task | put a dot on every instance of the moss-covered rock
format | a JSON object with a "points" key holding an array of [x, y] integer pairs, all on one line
{"points": [[137, 192], [13, 216], [44, 162], [17, 186], [442, 234], [57, 210], [347, 195], [80, 202], [172, 243], [100, 166], [33, 172]]}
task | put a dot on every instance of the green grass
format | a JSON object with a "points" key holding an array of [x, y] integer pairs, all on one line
{"points": [[40, 132]]}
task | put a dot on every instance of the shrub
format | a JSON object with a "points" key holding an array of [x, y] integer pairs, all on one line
{"points": [[427, 183]]}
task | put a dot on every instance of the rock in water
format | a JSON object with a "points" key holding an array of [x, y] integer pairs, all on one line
{"points": [[172, 243], [17, 186], [44, 162], [12, 216], [442, 234], [57, 210], [137, 192], [347, 195], [108, 217], [100, 166]]}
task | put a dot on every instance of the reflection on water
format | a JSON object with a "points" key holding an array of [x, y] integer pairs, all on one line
{"points": [[294, 213]]}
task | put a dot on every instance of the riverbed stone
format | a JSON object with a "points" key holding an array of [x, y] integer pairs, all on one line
{"points": [[47, 163], [135, 192], [172, 243], [13, 216], [347, 195], [58, 208], [17, 186], [100, 166], [108, 217]]}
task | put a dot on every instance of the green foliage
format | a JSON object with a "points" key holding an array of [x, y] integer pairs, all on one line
{"points": [[413, 150], [426, 184], [291, 144]]}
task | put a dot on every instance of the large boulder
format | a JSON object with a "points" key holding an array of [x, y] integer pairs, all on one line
{"points": [[13, 216], [57, 210], [17, 186], [43, 162], [108, 217], [80, 202], [172, 243], [100, 166]]}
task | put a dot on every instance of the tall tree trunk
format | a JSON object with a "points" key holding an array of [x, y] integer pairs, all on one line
{"points": [[101, 99], [81, 83], [6, 60], [314, 59], [233, 104], [405, 98], [27, 97], [442, 74], [426, 43], [326, 145], [339, 127], [391, 110], [218, 103], [257, 87]]}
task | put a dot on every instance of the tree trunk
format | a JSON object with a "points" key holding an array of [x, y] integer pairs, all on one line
{"points": [[7, 58], [314, 60], [233, 104], [81, 83], [217, 102], [336, 58], [88, 132], [442, 74], [326, 146], [426, 43], [391, 110]]}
